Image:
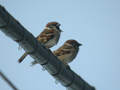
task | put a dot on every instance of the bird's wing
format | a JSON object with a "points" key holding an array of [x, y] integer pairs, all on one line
{"points": [[62, 51], [46, 35]]}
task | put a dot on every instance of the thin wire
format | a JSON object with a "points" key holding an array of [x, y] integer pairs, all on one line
{"points": [[8, 81]]}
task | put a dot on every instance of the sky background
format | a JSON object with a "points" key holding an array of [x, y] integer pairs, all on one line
{"points": [[94, 23]]}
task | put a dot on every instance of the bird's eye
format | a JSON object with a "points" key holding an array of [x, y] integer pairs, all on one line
{"points": [[58, 25]]}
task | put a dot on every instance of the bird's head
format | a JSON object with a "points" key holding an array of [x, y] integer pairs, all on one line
{"points": [[54, 25], [74, 43]]}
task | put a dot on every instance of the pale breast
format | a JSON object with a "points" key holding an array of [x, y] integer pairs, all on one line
{"points": [[69, 58], [53, 41]]}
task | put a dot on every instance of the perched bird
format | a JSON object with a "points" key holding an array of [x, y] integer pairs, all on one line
{"points": [[67, 52], [49, 37]]}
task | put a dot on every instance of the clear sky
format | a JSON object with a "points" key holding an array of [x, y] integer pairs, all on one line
{"points": [[94, 23]]}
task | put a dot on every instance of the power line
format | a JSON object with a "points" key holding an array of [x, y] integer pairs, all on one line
{"points": [[7, 81]]}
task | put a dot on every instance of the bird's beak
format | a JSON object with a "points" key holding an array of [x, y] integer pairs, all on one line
{"points": [[80, 44]]}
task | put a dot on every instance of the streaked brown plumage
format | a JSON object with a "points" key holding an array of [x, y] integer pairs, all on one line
{"points": [[49, 37], [67, 52]]}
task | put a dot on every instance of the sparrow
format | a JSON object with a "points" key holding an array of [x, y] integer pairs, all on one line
{"points": [[67, 52], [48, 37]]}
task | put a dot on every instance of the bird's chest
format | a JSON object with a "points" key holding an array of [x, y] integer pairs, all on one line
{"points": [[72, 56], [53, 41]]}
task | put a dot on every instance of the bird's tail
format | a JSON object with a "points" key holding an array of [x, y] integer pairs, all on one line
{"points": [[22, 57]]}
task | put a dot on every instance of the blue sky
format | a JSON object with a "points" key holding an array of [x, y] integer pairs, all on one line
{"points": [[94, 23]]}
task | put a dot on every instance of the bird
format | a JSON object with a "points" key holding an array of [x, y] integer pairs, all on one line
{"points": [[67, 52], [48, 37]]}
